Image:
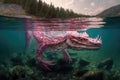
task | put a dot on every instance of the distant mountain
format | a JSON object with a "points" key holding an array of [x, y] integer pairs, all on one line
{"points": [[110, 12]]}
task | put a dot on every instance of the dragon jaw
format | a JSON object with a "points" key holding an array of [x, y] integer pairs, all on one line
{"points": [[83, 41]]}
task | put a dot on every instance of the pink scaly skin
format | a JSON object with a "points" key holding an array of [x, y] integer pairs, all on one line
{"points": [[71, 38], [45, 41]]}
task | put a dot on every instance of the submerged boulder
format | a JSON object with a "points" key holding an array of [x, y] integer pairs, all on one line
{"points": [[4, 75], [80, 73], [106, 64], [31, 62], [20, 72], [17, 72], [93, 75], [62, 66]]}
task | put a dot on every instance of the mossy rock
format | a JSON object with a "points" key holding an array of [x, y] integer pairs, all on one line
{"points": [[94, 75], [18, 72]]}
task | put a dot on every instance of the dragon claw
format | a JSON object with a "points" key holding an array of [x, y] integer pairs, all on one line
{"points": [[67, 56], [46, 64], [68, 59]]}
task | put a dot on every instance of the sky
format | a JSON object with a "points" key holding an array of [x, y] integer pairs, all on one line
{"points": [[88, 7]]}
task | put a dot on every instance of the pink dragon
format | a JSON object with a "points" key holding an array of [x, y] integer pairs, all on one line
{"points": [[52, 38]]}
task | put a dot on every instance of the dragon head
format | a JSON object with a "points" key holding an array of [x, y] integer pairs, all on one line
{"points": [[83, 41]]}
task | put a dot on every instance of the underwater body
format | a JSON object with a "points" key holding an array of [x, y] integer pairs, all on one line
{"points": [[19, 64]]}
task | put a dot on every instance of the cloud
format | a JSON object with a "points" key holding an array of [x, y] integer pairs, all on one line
{"points": [[92, 4], [99, 9], [70, 2], [85, 8], [111, 1], [90, 11], [96, 11], [81, 0]]}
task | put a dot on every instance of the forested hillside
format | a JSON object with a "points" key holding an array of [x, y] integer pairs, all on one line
{"points": [[43, 10], [113, 11]]}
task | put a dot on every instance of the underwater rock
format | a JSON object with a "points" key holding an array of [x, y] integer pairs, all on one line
{"points": [[106, 64], [62, 66], [83, 62], [16, 59], [31, 62], [29, 71], [4, 75], [80, 73], [114, 74], [17, 72], [4, 72], [21, 72], [93, 75]]}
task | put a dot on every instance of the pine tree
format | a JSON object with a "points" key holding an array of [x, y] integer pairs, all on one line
{"points": [[43, 10]]}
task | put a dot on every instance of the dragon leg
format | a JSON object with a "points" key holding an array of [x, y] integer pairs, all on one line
{"points": [[66, 56]]}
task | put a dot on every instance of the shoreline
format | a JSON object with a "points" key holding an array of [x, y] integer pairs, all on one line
{"points": [[13, 10]]}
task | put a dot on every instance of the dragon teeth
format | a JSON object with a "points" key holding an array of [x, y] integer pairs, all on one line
{"points": [[98, 38]]}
